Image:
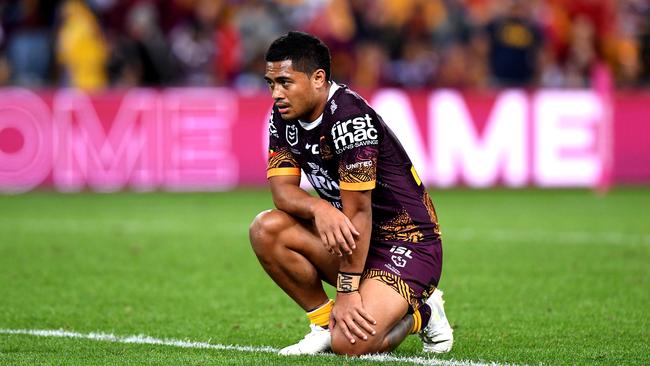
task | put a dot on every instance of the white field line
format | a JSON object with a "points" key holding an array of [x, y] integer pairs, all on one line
{"points": [[144, 339]]}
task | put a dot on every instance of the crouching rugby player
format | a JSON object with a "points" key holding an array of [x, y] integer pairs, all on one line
{"points": [[372, 232]]}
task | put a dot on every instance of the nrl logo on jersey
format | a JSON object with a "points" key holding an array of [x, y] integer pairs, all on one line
{"points": [[354, 132], [292, 135]]}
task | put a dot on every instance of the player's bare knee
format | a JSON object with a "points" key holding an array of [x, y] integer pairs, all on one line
{"points": [[265, 229], [342, 346]]}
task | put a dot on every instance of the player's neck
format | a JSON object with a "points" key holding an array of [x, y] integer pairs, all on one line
{"points": [[323, 96]]}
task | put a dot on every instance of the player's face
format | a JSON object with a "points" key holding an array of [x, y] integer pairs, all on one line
{"points": [[294, 92]]}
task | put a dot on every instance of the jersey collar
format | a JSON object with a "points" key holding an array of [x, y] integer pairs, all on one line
{"points": [[311, 125]]}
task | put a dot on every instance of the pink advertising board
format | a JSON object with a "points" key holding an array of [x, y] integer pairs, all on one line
{"points": [[215, 139]]}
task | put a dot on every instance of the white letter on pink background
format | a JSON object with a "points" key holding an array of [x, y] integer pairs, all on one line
{"points": [[565, 138], [105, 161], [198, 139], [25, 116], [458, 150]]}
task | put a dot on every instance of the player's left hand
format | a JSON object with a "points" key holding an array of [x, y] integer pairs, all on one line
{"points": [[349, 314]]}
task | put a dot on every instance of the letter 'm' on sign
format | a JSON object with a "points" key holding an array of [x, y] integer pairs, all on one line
{"points": [[459, 152], [105, 160], [566, 125], [25, 114], [198, 139]]}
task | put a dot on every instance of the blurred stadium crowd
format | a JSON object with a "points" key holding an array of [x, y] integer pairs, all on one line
{"points": [[98, 44]]}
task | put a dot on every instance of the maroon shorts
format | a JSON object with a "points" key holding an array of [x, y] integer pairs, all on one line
{"points": [[411, 269]]}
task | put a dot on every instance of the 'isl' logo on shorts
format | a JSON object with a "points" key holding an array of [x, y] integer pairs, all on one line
{"points": [[397, 258]]}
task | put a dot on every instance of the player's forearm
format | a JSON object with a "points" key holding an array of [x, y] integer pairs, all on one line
{"points": [[360, 214], [295, 200], [355, 262]]}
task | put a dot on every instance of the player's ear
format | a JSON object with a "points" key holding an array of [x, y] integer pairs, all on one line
{"points": [[318, 78]]}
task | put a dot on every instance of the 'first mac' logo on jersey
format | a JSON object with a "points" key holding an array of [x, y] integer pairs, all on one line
{"points": [[353, 133]]}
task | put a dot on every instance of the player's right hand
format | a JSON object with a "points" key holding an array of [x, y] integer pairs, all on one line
{"points": [[335, 229], [348, 314]]}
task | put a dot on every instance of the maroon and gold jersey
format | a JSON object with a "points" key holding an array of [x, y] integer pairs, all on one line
{"points": [[351, 148]]}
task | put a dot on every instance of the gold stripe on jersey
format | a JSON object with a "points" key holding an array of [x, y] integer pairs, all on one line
{"points": [[273, 172], [415, 176], [395, 283], [359, 186]]}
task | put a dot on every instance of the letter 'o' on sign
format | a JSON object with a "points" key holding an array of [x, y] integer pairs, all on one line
{"points": [[25, 140]]}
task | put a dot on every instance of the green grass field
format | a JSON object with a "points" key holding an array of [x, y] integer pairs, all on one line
{"points": [[530, 277]]}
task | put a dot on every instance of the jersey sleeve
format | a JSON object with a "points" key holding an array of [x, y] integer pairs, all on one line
{"points": [[356, 143], [281, 161]]}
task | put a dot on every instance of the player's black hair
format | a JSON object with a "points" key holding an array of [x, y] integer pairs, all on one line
{"points": [[306, 52]]}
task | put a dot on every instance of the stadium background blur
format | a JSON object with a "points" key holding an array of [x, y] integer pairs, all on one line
{"points": [[489, 94], [99, 44]]}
